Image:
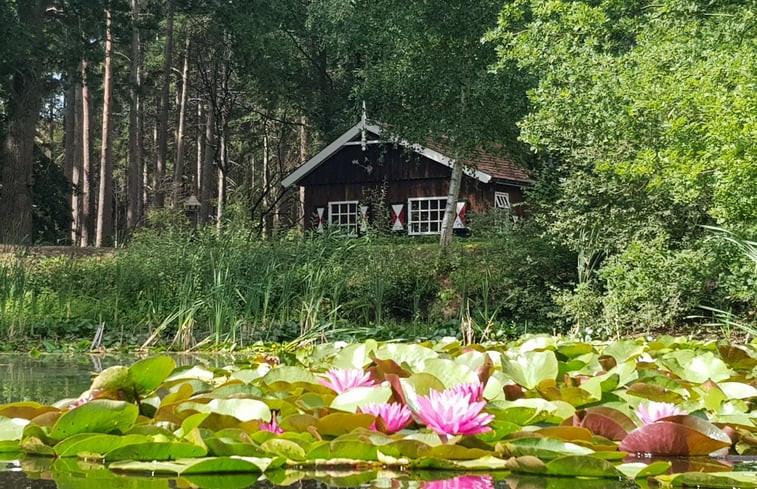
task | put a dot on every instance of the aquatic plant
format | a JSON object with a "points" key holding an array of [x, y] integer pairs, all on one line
{"points": [[394, 416], [651, 411], [454, 411], [343, 379], [272, 427]]}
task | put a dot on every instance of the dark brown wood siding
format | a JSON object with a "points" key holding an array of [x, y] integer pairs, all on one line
{"points": [[353, 174]]}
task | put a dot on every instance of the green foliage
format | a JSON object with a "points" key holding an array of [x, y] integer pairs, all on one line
{"points": [[645, 115]]}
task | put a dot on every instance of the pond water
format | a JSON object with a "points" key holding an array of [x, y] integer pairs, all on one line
{"points": [[48, 378]]}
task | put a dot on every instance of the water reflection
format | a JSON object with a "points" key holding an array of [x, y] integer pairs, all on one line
{"points": [[462, 482], [50, 377], [55, 477]]}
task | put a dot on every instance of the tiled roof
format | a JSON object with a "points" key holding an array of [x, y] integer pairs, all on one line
{"points": [[499, 167]]}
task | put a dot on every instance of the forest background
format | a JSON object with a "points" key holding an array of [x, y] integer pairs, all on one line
{"points": [[637, 121]]}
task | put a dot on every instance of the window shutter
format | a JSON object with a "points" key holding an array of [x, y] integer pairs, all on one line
{"points": [[398, 217]]}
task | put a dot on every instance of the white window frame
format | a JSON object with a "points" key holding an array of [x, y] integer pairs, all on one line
{"points": [[341, 209], [421, 212], [499, 198]]}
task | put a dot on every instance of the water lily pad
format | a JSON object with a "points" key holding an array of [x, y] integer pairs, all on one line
{"points": [[724, 480], [288, 449], [12, 429], [98, 416], [241, 409], [408, 354], [604, 421], [355, 356], [152, 450], [638, 470], [336, 424], [94, 443], [544, 448], [149, 373], [352, 399], [344, 449], [449, 372], [676, 436], [530, 368], [696, 366], [24, 410], [581, 466], [289, 375]]}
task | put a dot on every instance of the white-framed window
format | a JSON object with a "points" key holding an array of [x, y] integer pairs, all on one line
{"points": [[502, 200], [425, 215], [343, 215]]}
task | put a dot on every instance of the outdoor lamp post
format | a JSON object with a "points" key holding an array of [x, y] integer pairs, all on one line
{"points": [[192, 208]]}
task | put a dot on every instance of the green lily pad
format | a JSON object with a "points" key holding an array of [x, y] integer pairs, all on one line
{"points": [[530, 368], [241, 409], [352, 399], [284, 448], [355, 356], [582, 466], [696, 366], [544, 448], [336, 424], [409, 354], [152, 450], [724, 480], [12, 429], [98, 416], [289, 375], [94, 443], [449, 372], [146, 375]]}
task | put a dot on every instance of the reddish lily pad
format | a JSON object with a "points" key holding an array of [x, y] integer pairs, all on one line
{"points": [[676, 436]]}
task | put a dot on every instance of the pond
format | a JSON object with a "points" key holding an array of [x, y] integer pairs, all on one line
{"points": [[48, 378]]}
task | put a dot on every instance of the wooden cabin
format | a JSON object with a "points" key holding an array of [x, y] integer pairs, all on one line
{"points": [[363, 178]]}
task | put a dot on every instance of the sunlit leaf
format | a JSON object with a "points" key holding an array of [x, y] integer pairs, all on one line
{"points": [[531, 367], [98, 416], [685, 436], [152, 450], [149, 373]]}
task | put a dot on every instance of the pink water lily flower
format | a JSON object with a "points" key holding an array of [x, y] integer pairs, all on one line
{"points": [[343, 379], [395, 415], [651, 411], [455, 411], [273, 426], [475, 390]]}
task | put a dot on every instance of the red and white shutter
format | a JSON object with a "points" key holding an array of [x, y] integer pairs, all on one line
{"points": [[462, 208], [398, 217], [320, 218]]}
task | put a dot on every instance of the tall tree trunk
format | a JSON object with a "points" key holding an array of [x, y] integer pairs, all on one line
{"points": [[197, 174], [449, 212], [22, 108], [105, 194], [206, 183], [266, 174], [76, 170], [221, 180], [86, 161], [160, 161], [69, 147], [178, 176], [134, 174]]}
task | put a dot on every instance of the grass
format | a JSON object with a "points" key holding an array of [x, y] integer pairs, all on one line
{"points": [[178, 290]]}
